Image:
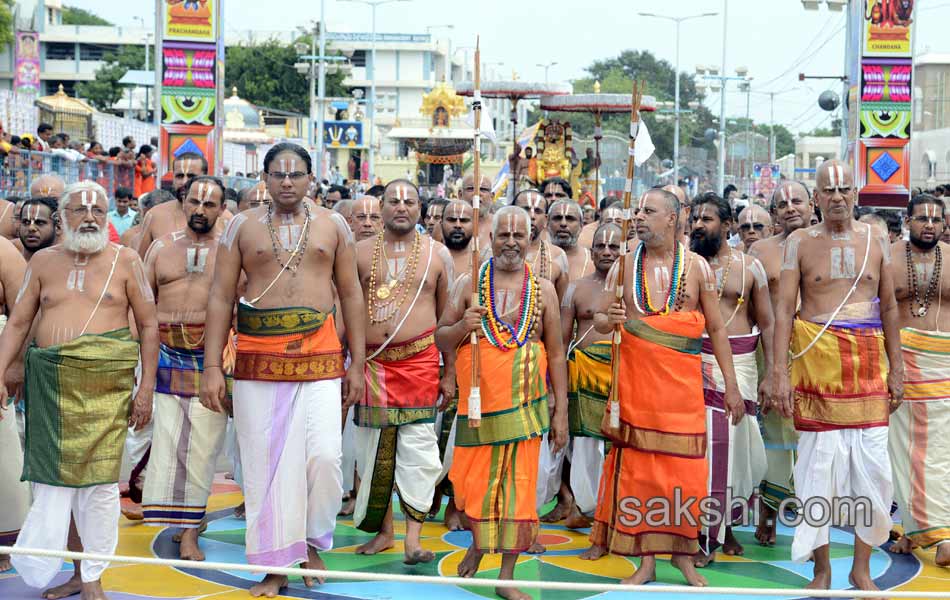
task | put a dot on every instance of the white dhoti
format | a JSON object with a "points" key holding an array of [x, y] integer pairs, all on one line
{"points": [[137, 442], [447, 444], [550, 466], [405, 458], [587, 464], [233, 451], [96, 510], [781, 442], [918, 439], [849, 467], [186, 441], [291, 451], [349, 451], [736, 453], [14, 494]]}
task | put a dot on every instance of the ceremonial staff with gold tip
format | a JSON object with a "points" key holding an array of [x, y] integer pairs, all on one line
{"points": [[475, 398], [636, 98]]}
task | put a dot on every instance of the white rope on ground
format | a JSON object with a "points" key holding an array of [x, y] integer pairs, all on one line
{"points": [[466, 582]]}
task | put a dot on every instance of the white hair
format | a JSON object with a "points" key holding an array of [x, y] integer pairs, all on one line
{"points": [[82, 186], [510, 210]]}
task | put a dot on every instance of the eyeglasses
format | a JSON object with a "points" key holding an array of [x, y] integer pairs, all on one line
{"points": [[280, 176], [746, 227], [80, 211]]}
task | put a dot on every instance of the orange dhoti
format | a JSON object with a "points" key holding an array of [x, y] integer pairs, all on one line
{"points": [[495, 466], [659, 451]]}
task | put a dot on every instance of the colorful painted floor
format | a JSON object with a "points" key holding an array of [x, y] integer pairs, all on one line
{"points": [[224, 542]]}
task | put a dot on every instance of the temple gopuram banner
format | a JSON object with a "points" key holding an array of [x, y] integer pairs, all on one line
{"points": [[27, 67], [192, 68], [884, 99]]}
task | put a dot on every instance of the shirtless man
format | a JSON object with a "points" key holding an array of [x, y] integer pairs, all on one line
{"points": [[917, 439], [433, 219], [86, 288], [488, 457], [289, 372], [736, 454], [588, 360], [179, 266], [149, 201], [403, 386], [547, 260], [754, 224], [170, 216], [467, 193], [847, 316], [47, 185], [457, 230], [14, 494], [38, 225], [685, 209], [367, 219], [564, 223], [792, 208], [252, 197]]}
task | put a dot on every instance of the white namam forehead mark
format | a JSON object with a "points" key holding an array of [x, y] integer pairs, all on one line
{"points": [[607, 237], [32, 213], [749, 218], [186, 165], [836, 173], [702, 210]]}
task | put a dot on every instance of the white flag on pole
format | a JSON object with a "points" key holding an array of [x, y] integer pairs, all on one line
{"points": [[644, 148], [485, 124]]}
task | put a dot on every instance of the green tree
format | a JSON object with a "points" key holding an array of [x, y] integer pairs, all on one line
{"points": [[104, 90], [616, 76], [6, 22], [264, 75], [824, 132], [73, 15]]}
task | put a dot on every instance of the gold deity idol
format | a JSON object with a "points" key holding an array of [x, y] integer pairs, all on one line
{"points": [[553, 141]]}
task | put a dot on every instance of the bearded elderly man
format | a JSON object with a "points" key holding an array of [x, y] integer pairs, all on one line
{"points": [[846, 372], [79, 377], [495, 466]]}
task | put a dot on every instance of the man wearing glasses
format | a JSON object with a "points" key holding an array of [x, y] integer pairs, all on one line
{"points": [[754, 224]]}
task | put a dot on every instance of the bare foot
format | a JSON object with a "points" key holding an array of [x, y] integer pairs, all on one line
{"points": [[576, 520], [239, 511], [685, 564], [904, 545], [5, 564], [863, 581], [732, 547], [821, 580], [382, 541], [189, 549], [645, 574], [70, 588], [469, 565], [559, 512], [510, 593], [133, 512], [201, 529], [537, 548], [702, 560], [314, 561], [93, 591], [943, 555], [419, 555], [349, 505], [593, 553], [270, 587], [765, 530], [453, 517]]}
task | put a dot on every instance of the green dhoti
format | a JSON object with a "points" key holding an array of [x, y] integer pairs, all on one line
{"points": [[78, 397]]}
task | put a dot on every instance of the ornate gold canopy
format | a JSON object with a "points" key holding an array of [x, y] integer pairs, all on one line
{"points": [[441, 103]]}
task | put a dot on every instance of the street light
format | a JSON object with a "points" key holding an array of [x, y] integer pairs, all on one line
{"points": [[676, 100], [373, 4], [718, 83], [447, 76], [546, 66]]}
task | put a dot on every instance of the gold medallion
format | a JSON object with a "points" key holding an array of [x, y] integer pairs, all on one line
{"points": [[382, 292]]}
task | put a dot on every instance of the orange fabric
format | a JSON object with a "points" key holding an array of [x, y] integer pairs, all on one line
{"points": [[291, 357], [495, 488], [144, 176], [621, 526], [672, 421]]}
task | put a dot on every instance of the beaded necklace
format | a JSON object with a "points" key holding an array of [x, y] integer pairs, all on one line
{"points": [[499, 333], [641, 285], [924, 304]]}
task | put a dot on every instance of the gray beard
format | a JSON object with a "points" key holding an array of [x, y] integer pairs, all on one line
{"points": [[85, 242]]}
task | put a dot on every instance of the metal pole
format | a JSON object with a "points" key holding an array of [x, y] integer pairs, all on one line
{"points": [[157, 99], [845, 84], [322, 90], [372, 105], [722, 100], [749, 154], [313, 92], [676, 110], [772, 129]]}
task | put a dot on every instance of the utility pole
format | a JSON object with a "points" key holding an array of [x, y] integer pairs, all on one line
{"points": [[322, 90], [722, 100]]}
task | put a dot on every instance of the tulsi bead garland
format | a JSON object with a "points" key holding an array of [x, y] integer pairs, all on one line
{"points": [[492, 323], [641, 292]]}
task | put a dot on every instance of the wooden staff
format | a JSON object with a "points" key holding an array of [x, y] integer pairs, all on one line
{"points": [[475, 396], [621, 271]]}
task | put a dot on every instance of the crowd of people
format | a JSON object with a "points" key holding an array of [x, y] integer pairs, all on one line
{"points": [[355, 347]]}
